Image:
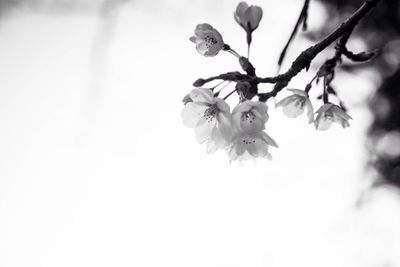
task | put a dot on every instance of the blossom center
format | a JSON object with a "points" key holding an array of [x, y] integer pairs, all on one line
{"points": [[210, 113], [328, 115], [300, 102], [248, 141], [248, 116], [210, 41]]}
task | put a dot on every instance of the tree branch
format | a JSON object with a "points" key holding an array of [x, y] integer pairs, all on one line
{"points": [[302, 19], [304, 59]]}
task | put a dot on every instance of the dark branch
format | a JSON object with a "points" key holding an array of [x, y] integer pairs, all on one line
{"points": [[229, 76], [301, 20], [304, 59]]}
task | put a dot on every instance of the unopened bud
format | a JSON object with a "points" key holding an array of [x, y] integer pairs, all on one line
{"points": [[199, 82]]}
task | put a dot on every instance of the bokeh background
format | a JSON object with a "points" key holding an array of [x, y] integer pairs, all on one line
{"points": [[96, 168]]}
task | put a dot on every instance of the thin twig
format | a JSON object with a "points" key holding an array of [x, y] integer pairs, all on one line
{"points": [[301, 20], [304, 59]]}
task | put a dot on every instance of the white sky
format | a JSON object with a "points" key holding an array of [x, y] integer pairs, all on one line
{"points": [[96, 168]]}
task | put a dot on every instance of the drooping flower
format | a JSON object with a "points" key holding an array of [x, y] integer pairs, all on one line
{"points": [[250, 145], [329, 113], [211, 118], [248, 17], [207, 39], [250, 116], [250, 141], [294, 105]]}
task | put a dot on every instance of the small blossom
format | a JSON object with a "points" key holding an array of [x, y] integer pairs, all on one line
{"points": [[207, 39], [294, 105], [211, 118], [329, 113], [248, 17], [250, 116], [250, 145]]}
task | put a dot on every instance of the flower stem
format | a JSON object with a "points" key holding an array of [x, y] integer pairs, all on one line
{"points": [[233, 52], [309, 85], [228, 95], [212, 88], [222, 88], [325, 95]]}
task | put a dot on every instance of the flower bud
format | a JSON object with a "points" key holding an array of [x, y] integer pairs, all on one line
{"points": [[248, 17], [199, 82]]}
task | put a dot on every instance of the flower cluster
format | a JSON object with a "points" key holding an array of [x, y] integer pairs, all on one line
{"points": [[294, 105], [241, 133]]}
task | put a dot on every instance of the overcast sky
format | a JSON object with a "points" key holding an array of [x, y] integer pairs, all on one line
{"points": [[97, 169]]}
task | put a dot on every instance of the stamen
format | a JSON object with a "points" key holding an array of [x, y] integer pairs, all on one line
{"points": [[248, 116], [328, 115], [210, 113], [210, 41], [248, 141]]}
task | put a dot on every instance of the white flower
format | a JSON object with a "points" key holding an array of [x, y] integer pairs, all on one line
{"points": [[248, 16], [294, 105], [329, 113], [250, 141], [248, 145], [207, 39], [211, 118], [250, 116]]}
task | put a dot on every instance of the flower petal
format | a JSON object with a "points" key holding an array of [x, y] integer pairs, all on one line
{"points": [[324, 108], [203, 27], [204, 129], [224, 125], [293, 109], [322, 123], [260, 107], [250, 124], [202, 95], [240, 147], [286, 101], [193, 39], [222, 105], [241, 8], [217, 141], [269, 139], [243, 107], [191, 114], [255, 14], [340, 112], [310, 111], [298, 92]]}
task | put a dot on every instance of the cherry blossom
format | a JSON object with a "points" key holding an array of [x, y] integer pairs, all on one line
{"points": [[211, 118], [294, 105], [246, 145], [250, 116], [207, 39], [329, 113]]}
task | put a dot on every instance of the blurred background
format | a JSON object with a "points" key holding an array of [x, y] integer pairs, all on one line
{"points": [[96, 168]]}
